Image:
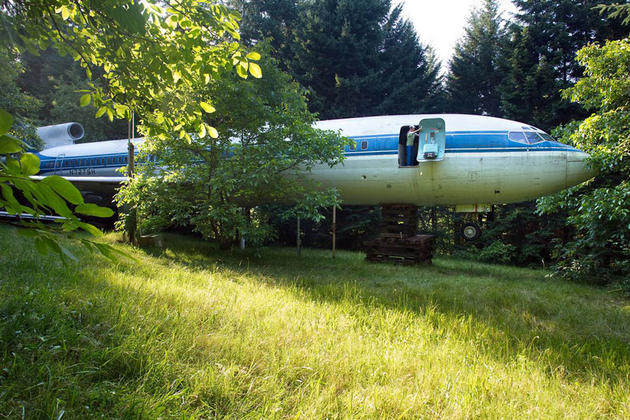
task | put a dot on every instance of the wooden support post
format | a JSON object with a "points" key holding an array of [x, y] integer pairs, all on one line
{"points": [[132, 223], [334, 231], [299, 240]]}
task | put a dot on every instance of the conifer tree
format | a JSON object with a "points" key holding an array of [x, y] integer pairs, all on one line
{"points": [[540, 57], [409, 79], [356, 58], [474, 75], [271, 20]]}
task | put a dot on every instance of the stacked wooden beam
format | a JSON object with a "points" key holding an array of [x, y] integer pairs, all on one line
{"points": [[398, 241]]}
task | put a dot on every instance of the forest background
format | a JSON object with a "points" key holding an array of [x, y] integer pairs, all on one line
{"points": [[362, 58]]}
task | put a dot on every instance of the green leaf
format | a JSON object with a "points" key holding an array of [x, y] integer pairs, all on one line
{"points": [[46, 196], [207, 107], [65, 12], [40, 244], [253, 56], [11, 201], [85, 99], [202, 130], [90, 209], [28, 233], [91, 229], [100, 112], [241, 71], [9, 144], [64, 188], [30, 164], [111, 252], [6, 120], [213, 132], [255, 70]]}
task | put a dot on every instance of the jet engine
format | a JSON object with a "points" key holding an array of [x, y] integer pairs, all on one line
{"points": [[60, 134]]}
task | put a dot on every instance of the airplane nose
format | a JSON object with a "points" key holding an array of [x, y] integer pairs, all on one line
{"points": [[578, 170]]}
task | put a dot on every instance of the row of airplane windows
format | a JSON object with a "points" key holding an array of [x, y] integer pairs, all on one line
{"points": [[526, 137], [75, 163]]}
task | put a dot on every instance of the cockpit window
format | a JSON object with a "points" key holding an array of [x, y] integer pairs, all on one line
{"points": [[517, 136], [529, 137], [533, 137]]}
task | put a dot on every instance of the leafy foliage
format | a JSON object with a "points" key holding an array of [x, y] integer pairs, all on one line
{"points": [[59, 83], [263, 145], [600, 210], [148, 52], [15, 101], [52, 195]]}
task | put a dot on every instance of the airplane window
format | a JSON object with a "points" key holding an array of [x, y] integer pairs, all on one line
{"points": [[546, 136], [517, 136], [353, 146], [364, 145], [533, 137], [92, 162]]}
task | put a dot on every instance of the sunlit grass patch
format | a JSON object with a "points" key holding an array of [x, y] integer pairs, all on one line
{"points": [[190, 331]]}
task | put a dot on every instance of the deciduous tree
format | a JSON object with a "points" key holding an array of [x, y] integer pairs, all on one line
{"points": [[264, 143], [599, 210]]}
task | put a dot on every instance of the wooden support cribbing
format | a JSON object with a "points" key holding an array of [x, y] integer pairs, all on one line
{"points": [[398, 240]]}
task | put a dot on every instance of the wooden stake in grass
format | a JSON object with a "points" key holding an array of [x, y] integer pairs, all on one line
{"points": [[334, 231], [299, 242], [132, 222]]}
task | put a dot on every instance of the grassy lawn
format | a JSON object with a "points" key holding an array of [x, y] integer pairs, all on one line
{"points": [[190, 332]]}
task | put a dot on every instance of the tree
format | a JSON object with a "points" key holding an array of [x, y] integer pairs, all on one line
{"points": [[272, 21], [599, 210], [38, 198], [539, 57], [265, 142], [409, 80], [16, 102], [358, 59], [148, 53], [57, 82], [474, 72]]}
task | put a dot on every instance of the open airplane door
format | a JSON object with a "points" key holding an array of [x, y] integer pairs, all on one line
{"points": [[432, 139]]}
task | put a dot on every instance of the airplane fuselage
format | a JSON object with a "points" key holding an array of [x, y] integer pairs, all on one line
{"points": [[482, 161]]}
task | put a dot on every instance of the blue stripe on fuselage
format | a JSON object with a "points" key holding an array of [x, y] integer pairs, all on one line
{"points": [[380, 144], [456, 142]]}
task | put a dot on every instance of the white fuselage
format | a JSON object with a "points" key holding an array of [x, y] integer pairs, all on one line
{"points": [[481, 163]]}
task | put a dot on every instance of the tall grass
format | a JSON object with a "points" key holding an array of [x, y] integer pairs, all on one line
{"points": [[191, 332]]}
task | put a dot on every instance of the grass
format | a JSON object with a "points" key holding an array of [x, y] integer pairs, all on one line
{"points": [[190, 332]]}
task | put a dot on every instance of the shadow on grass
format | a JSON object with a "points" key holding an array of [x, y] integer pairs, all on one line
{"points": [[60, 340], [579, 330]]}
